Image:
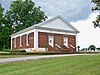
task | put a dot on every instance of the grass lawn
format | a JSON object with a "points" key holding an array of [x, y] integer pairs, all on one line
{"points": [[3, 52], [9, 56], [72, 65], [12, 56]]}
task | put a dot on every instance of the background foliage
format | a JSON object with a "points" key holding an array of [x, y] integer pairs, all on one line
{"points": [[20, 15], [96, 7]]}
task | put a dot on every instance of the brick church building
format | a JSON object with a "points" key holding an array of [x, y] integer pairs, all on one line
{"points": [[53, 35]]}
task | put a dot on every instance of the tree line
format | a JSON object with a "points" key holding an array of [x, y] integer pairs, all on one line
{"points": [[96, 7], [21, 14]]}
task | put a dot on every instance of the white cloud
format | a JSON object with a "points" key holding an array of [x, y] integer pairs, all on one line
{"points": [[71, 10], [88, 34]]}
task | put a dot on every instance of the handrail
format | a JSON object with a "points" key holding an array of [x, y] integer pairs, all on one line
{"points": [[57, 45], [72, 46]]}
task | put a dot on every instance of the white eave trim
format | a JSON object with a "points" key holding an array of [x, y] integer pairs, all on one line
{"points": [[59, 30], [46, 28], [24, 30]]}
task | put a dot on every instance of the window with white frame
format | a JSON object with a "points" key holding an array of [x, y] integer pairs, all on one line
{"points": [[20, 40], [14, 42], [66, 41], [27, 39]]}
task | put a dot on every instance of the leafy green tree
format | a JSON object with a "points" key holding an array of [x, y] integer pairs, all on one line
{"points": [[21, 14], [78, 48], [92, 47], [1, 14], [1, 18], [96, 8], [5, 31], [24, 13]]}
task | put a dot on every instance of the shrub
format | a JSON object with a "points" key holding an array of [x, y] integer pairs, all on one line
{"points": [[92, 47], [17, 51], [22, 50], [98, 48], [46, 47], [6, 50]]}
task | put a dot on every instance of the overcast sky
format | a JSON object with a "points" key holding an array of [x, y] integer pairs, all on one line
{"points": [[77, 12], [71, 10]]}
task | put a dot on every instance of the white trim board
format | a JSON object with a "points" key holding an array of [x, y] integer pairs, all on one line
{"points": [[47, 31], [55, 32], [35, 39], [23, 33]]}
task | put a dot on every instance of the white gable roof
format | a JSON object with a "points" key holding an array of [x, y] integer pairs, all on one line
{"points": [[56, 23]]}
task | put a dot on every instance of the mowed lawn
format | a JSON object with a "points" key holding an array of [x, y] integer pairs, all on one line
{"points": [[13, 56], [72, 65]]}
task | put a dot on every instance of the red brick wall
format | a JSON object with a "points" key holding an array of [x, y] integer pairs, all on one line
{"points": [[24, 41], [31, 40], [51, 48], [72, 41], [42, 39], [24, 45], [17, 42], [58, 39]]}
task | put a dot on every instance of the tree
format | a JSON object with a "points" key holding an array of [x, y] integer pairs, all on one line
{"points": [[96, 8], [1, 18], [78, 48], [1, 14], [92, 47], [5, 31], [24, 13], [21, 14]]}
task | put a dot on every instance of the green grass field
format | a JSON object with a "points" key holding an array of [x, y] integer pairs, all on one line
{"points": [[13, 56], [73, 65]]}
